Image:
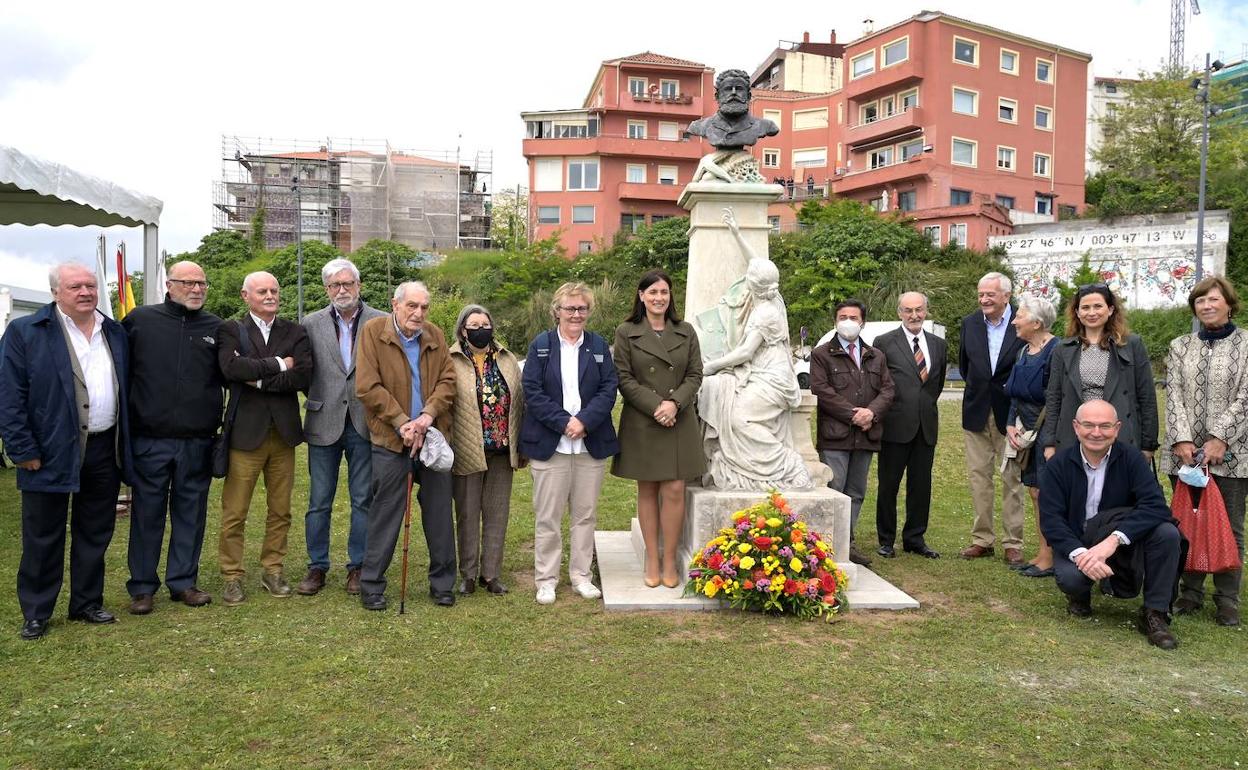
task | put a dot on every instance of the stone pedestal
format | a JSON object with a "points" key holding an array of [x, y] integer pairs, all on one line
{"points": [[715, 259], [801, 420]]}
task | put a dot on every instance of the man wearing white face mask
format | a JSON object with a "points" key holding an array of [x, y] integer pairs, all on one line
{"points": [[851, 381]]}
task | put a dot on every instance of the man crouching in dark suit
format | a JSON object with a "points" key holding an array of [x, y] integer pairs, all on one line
{"points": [[266, 372], [1106, 518], [916, 361]]}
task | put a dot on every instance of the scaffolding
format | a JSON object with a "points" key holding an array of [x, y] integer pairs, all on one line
{"points": [[345, 192]]}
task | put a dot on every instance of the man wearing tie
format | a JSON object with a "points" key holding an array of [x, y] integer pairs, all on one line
{"points": [[916, 361], [986, 355], [851, 382]]}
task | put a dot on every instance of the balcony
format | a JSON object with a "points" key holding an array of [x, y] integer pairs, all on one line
{"points": [[882, 82], [692, 149], [883, 128], [636, 191], [853, 181], [656, 104]]}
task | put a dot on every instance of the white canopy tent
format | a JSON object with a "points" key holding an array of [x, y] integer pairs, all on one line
{"points": [[39, 192]]}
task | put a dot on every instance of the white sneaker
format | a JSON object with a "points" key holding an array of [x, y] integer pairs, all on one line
{"points": [[546, 594], [588, 590]]}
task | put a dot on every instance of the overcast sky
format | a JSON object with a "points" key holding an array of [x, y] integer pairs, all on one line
{"points": [[140, 93]]}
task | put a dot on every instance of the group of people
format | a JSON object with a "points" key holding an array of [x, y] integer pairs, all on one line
{"points": [[87, 403], [1074, 421]]}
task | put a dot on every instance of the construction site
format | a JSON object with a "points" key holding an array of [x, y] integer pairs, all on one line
{"points": [[346, 192]]}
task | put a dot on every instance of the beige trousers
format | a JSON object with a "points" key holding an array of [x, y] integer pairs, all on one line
{"points": [[984, 452], [277, 462], [565, 482]]}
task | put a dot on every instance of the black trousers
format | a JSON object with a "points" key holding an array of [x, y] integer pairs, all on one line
{"points": [[914, 459], [1162, 554], [92, 513], [171, 476], [385, 520]]}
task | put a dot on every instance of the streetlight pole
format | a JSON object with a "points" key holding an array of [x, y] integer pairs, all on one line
{"points": [[299, 242], [1201, 85]]}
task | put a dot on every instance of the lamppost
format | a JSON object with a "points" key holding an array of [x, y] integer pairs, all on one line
{"points": [[299, 242], [1201, 84]]}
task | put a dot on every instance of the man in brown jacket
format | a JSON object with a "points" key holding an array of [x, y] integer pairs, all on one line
{"points": [[405, 379], [851, 381]]}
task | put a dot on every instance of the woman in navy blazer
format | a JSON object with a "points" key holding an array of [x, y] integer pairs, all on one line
{"points": [[568, 436]]}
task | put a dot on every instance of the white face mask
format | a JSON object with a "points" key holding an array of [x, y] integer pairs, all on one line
{"points": [[848, 328]]}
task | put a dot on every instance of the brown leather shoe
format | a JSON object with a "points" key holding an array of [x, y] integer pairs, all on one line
{"points": [[1226, 615], [1014, 558], [1156, 627], [353, 581], [192, 597], [312, 582], [976, 551], [141, 604]]}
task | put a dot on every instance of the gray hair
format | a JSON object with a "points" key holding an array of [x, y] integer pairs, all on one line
{"points": [[904, 293], [335, 266], [1007, 285], [463, 318], [571, 289], [404, 287], [54, 272], [1038, 309], [247, 280]]}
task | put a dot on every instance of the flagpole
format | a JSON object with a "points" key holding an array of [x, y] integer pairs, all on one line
{"points": [[102, 303]]}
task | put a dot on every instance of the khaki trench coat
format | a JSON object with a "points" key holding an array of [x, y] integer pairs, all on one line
{"points": [[653, 369]]}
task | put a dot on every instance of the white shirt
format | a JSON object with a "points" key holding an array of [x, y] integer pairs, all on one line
{"points": [[569, 371], [96, 363], [1096, 485], [927, 356], [265, 328]]}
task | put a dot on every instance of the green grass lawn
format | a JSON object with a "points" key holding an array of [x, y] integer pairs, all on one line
{"points": [[989, 673]]}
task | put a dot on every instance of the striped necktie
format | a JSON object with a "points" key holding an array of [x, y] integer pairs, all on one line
{"points": [[919, 360]]}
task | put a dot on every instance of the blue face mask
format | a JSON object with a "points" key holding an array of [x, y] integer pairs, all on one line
{"points": [[1193, 476]]}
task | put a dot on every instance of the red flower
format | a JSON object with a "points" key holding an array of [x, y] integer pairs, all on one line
{"points": [[716, 561], [747, 584], [758, 573], [827, 583], [763, 542], [790, 587]]}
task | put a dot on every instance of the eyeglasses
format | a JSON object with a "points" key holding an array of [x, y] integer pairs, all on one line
{"points": [[340, 285], [1091, 288], [190, 284], [474, 328], [575, 309], [1103, 426]]}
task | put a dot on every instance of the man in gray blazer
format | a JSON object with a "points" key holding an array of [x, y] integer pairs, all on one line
{"points": [[916, 361], [336, 425]]}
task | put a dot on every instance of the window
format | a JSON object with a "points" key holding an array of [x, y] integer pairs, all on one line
{"points": [[1040, 164], [582, 215], [774, 223], [1005, 200], [1044, 71], [548, 215], [1111, 88], [670, 89], [814, 157], [578, 130], [888, 106], [908, 200], [584, 247], [896, 52], [657, 218], [932, 233], [964, 151], [868, 113], [1007, 110], [959, 197], [636, 129], [771, 158], [548, 175], [774, 116], [804, 119], [911, 149], [632, 222], [1066, 211], [881, 157], [636, 173], [965, 102], [966, 51], [667, 175], [415, 212], [1044, 204], [583, 174], [1005, 158], [637, 86], [862, 65], [1009, 61], [877, 204], [1044, 118], [909, 99], [669, 132], [957, 234]]}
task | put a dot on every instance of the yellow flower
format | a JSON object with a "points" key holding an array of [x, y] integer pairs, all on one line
{"points": [[821, 545], [744, 547], [773, 522], [799, 547], [747, 562], [710, 589], [795, 564], [738, 516]]}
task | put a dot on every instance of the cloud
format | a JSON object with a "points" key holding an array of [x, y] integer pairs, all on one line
{"points": [[25, 271], [30, 55]]}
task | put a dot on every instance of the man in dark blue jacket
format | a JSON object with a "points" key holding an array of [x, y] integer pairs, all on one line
{"points": [[1105, 516], [63, 418]]}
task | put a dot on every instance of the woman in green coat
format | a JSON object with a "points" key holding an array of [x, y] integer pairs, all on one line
{"points": [[660, 369]]}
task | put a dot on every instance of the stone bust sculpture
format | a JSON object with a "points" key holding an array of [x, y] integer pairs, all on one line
{"points": [[730, 131]]}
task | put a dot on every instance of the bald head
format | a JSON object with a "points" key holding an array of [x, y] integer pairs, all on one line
{"points": [[1096, 410], [261, 293], [912, 310], [1096, 426], [187, 285]]}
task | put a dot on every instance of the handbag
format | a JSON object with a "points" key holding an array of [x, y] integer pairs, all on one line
{"points": [[221, 442], [1207, 527]]}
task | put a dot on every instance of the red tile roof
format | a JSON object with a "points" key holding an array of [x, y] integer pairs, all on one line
{"points": [[397, 157], [767, 93], [649, 57]]}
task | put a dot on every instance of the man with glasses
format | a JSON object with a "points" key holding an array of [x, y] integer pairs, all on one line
{"points": [[1105, 516], [335, 425], [175, 410]]}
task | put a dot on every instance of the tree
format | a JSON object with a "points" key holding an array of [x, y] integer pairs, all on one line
{"points": [[384, 265], [509, 219], [256, 236]]}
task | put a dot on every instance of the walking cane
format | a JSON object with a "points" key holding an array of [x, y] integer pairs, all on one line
{"points": [[407, 525]]}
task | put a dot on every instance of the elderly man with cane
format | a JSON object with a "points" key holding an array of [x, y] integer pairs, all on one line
{"points": [[404, 378]]}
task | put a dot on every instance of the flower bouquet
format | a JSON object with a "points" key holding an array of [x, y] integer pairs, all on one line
{"points": [[769, 560]]}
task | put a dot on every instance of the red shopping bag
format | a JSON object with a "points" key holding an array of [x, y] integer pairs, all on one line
{"points": [[1207, 528]]}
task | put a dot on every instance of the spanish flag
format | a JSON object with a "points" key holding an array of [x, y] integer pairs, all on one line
{"points": [[125, 291]]}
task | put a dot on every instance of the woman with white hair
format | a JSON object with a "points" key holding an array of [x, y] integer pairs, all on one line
{"points": [[1026, 387]]}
